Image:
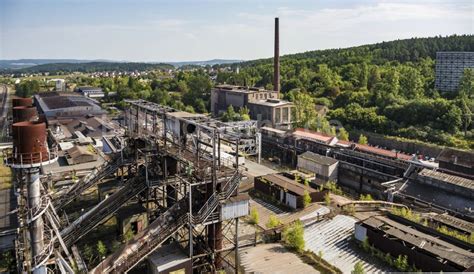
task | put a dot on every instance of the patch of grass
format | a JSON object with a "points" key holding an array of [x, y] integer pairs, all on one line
{"points": [[318, 263], [5, 176]]}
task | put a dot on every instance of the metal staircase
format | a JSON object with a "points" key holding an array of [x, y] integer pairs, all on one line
{"points": [[164, 227], [106, 169], [103, 210]]}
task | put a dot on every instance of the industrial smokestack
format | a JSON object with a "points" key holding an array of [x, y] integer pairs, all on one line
{"points": [[276, 58]]}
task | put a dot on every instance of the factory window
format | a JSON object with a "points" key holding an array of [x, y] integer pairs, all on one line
{"points": [[277, 115], [285, 115]]}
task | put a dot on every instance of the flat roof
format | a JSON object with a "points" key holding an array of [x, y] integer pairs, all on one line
{"points": [[312, 135], [55, 100], [320, 159], [241, 89], [271, 102], [184, 114], [457, 157], [167, 256], [274, 130], [288, 184], [421, 240], [383, 152], [89, 88], [451, 179]]}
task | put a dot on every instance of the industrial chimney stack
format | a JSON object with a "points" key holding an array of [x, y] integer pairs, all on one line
{"points": [[276, 59]]}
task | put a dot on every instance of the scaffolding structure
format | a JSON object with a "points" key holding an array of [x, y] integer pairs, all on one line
{"points": [[172, 163], [186, 180]]}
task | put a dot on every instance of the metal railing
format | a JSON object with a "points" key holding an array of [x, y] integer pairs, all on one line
{"points": [[105, 208], [37, 211], [42, 258], [25, 160]]}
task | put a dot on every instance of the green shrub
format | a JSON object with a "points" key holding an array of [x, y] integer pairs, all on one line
{"points": [[367, 197], [327, 199], [293, 235], [358, 269], [254, 217], [273, 222], [306, 199]]}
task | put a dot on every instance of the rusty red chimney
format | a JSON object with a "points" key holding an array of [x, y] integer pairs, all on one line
{"points": [[276, 58]]}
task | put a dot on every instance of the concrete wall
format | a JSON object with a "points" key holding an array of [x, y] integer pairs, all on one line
{"points": [[453, 188], [409, 147], [363, 180], [323, 172], [236, 99]]}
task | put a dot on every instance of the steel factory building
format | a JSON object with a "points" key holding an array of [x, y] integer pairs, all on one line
{"points": [[66, 105], [450, 66]]}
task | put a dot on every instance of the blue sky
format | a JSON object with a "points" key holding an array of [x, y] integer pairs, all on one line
{"points": [[146, 30]]}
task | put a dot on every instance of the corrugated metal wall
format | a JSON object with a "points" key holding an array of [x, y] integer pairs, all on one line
{"points": [[234, 210]]}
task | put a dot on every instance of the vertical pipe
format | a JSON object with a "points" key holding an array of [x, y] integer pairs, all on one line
{"points": [[191, 222], [37, 226], [259, 147], [276, 58], [236, 245]]}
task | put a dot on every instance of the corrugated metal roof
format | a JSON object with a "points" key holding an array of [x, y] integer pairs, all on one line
{"points": [[455, 180], [424, 241], [332, 237]]}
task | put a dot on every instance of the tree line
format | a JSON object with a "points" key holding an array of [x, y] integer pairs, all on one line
{"points": [[386, 88]]}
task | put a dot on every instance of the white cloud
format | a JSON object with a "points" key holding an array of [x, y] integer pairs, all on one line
{"points": [[249, 35]]}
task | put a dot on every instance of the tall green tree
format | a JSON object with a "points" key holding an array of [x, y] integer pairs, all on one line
{"points": [[411, 85]]}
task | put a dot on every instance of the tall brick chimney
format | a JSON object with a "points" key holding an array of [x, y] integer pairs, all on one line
{"points": [[276, 58]]}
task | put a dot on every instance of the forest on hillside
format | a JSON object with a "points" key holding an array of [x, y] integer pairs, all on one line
{"points": [[61, 68], [386, 88]]}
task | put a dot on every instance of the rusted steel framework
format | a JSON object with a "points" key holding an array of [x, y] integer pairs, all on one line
{"points": [[183, 166]]}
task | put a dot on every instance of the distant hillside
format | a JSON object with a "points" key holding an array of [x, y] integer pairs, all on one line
{"points": [[44, 65], [25, 63], [205, 63], [92, 67], [399, 50]]}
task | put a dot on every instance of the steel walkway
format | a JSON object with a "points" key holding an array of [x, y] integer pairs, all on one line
{"points": [[103, 210], [107, 169], [162, 228]]}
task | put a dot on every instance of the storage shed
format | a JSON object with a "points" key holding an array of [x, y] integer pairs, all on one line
{"points": [[284, 190], [324, 168], [79, 155]]}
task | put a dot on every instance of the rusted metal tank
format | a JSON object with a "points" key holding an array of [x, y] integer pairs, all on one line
{"points": [[26, 102], [24, 113], [29, 142]]}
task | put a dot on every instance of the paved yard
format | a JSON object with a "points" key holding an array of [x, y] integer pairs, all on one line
{"points": [[272, 258], [254, 169]]}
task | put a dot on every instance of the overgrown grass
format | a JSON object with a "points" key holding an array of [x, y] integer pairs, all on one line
{"points": [[415, 217], [400, 262], [5, 176]]}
